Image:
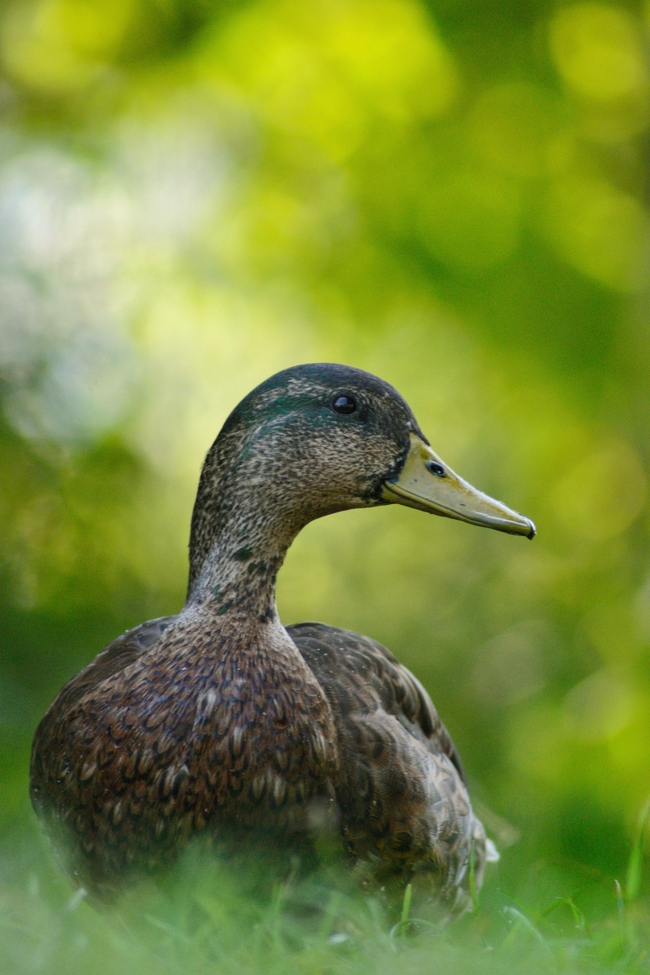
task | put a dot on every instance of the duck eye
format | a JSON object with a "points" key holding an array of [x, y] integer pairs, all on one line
{"points": [[343, 404], [436, 468]]}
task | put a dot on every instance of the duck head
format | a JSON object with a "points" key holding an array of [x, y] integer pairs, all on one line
{"points": [[315, 439]]}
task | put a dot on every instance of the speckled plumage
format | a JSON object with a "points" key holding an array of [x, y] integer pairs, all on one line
{"points": [[221, 720]]}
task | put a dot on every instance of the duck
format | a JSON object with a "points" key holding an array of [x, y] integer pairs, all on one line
{"points": [[221, 722]]}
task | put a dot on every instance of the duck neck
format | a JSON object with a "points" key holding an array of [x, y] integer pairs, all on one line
{"points": [[238, 576], [241, 530]]}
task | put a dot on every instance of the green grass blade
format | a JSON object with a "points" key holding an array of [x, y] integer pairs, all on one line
{"points": [[473, 893], [406, 903], [521, 923], [635, 863]]}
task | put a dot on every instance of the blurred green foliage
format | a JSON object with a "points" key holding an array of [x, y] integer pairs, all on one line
{"points": [[453, 195]]}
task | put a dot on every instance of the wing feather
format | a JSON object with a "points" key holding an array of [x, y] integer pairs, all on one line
{"points": [[359, 674]]}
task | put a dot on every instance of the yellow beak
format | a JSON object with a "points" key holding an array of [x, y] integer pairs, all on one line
{"points": [[427, 483]]}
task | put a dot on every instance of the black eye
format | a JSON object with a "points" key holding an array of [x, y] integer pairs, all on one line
{"points": [[436, 468], [343, 404]]}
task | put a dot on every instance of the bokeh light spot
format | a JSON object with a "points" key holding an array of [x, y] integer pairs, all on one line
{"points": [[510, 667], [603, 494], [59, 45], [330, 73], [401, 66], [600, 706], [599, 229], [597, 51], [513, 126]]}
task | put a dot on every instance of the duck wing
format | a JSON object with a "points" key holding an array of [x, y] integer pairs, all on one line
{"points": [[115, 657], [401, 789], [359, 674]]}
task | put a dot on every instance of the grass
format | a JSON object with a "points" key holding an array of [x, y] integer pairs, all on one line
{"points": [[208, 917]]}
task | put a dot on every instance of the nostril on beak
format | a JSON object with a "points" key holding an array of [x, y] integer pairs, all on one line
{"points": [[436, 468]]}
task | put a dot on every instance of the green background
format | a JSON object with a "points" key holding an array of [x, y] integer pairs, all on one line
{"points": [[451, 194]]}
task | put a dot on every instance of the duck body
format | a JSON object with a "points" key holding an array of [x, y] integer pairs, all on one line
{"points": [[334, 734], [219, 720]]}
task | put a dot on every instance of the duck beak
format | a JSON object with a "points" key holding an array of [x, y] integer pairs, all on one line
{"points": [[427, 483]]}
